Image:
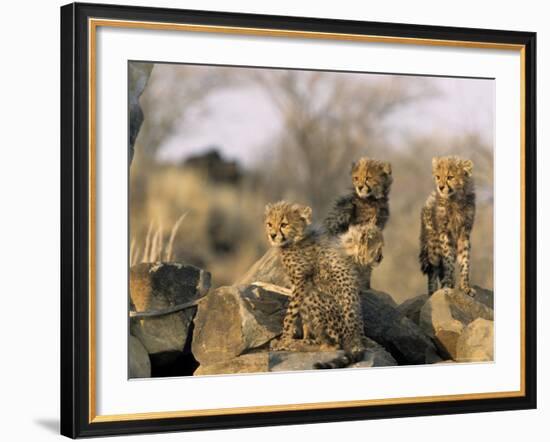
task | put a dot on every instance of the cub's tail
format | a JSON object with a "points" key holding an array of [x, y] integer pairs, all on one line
{"points": [[348, 358]]}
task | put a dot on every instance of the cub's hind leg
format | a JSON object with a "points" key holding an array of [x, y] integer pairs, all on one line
{"points": [[431, 270], [430, 250], [464, 265], [447, 271]]}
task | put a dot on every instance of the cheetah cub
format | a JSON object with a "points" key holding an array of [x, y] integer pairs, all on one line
{"points": [[324, 285], [367, 202], [369, 199], [446, 224]]}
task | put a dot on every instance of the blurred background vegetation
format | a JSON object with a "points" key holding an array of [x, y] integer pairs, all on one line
{"points": [[218, 143]]}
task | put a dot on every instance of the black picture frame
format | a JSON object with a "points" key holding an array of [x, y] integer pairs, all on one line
{"points": [[75, 221]]}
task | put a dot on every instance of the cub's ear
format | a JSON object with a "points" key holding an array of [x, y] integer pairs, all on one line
{"points": [[386, 167], [304, 212], [435, 162], [268, 208], [468, 166], [353, 166]]}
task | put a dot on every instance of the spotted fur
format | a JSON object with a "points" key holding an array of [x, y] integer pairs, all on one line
{"points": [[446, 224]]}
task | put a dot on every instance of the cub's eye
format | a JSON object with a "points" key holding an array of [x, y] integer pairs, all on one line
{"points": [[437, 177], [450, 177], [269, 225], [283, 225]]}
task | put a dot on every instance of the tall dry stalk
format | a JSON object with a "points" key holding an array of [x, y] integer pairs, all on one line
{"points": [[154, 249]]}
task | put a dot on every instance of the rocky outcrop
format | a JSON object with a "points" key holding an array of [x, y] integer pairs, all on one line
{"points": [[228, 330], [447, 313], [163, 298]]}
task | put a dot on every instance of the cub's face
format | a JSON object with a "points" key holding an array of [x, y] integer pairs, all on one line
{"points": [[451, 174], [364, 243], [371, 178], [286, 223]]}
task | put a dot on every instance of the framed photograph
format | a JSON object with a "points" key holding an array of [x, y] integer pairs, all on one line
{"points": [[274, 220]]}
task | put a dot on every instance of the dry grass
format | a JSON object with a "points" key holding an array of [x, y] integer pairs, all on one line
{"points": [[155, 249]]}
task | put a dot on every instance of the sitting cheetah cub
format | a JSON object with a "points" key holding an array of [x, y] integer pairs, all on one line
{"points": [[369, 200], [446, 223], [324, 285]]}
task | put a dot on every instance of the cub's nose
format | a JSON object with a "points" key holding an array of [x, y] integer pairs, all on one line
{"points": [[441, 188], [360, 188], [273, 235]]}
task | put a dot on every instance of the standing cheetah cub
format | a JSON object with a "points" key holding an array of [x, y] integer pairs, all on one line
{"points": [[324, 281], [368, 201], [446, 224]]}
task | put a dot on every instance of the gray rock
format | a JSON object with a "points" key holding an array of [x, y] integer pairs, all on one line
{"points": [[476, 343], [268, 269], [406, 342], [484, 296], [234, 320], [159, 287], [411, 307], [445, 315], [384, 297], [139, 364], [138, 75]]}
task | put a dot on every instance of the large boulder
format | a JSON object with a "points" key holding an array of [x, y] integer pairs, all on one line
{"points": [[445, 315], [158, 288], [475, 344], [406, 342], [233, 320]]}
